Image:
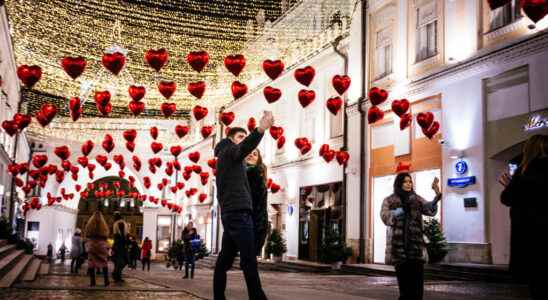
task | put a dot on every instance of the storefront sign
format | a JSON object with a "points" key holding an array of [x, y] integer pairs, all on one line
{"points": [[461, 182], [536, 122], [461, 167]]}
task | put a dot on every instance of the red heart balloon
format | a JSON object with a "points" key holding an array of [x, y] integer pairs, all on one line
{"points": [[425, 119], [180, 185], [130, 146], [165, 181], [306, 97], [59, 176], [196, 89], [74, 169], [181, 130], [176, 165], [91, 167], [130, 135], [405, 121], [301, 142], [108, 143], [122, 174], [173, 189], [280, 142], [204, 177], [102, 98], [197, 169], [153, 132], [212, 163], [251, 124], [62, 152], [75, 108], [493, 4], [101, 159], [305, 75], [39, 160], [158, 162], [199, 112], [156, 147], [329, 155], [176, 150], [22, 120], [156, 59], [400, 107], [197, 60], [73, 66], [136, 107], [274, 188], [105, 109], [238, 89], [29, 75], [306, 148], [374, 114], [323, 149], [137, 92], [46, 114], [66, 165], [276, 132], [342, 157], [235, 63], [202, 197], [377, 96], [118, 159], [273, 68], [13, 169], [334, 104], [168, 108], [83, 161], [227, 118], [535, 10], [167, 88], [87, 146], [206, 131], [341, 83], [194, 157], [114, 62], [432, 130], [272, 94], [136, 159], [10, 127], [137, 166]]}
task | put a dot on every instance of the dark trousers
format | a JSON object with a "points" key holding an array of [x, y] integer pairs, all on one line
{"points": [[189, 265], [410, 276], [119, 264], [74, 264], [238, 236], [146, 262], [91, 272]]}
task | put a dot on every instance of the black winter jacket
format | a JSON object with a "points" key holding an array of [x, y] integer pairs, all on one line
{"points": [[233, 191], [259, 196]]}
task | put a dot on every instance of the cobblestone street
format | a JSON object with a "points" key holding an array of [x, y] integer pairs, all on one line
{"points": [[162, 283]]}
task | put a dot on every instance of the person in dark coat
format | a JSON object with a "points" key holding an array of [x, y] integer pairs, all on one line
{"points": [[189, 234], [119, 247], [234, 196], [134, 252], [525, 194], [402, 213], [50, 253], [257, 177]]}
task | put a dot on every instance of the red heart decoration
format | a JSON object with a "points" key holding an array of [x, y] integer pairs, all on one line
{"points": [[273, 68], [52, 169], [181, 130], [306, 148], [196, 89], [374, 114], [91, 167], [75, 108], [274, 188], [432, 130], [130, 135], [188, 169], [167, 88], [280, 142], [66, 165], [168, 108], [306, 97], [73, 66], [59, 176], [341, 83], [212, 163], [165, 181], [197, 169], [77, 187], [29, 75], [334, 104], [119, 159], [10, 127], [108, 143], [130, 146], [122, 174], [235, 63], [173, 189], [176, 150], [180, 185], [105, 109], [202, 197], [156, 59], [301, 142], [101, 159], [46, 114], [272, 94], [276, 132], [13, 169], [137, 166], [169, 171], [342, 157], [83, 161], [156, 147], [204, 177], [157, 162], [62, 152], [535, 10], [117, 184], [186, 175], [377, 96], [425, 119], [493, 4], [251, 124], [197, 60], [238, 89], [74, 169], [22, 120], [102, 98], [136, 107], [305, 75], [114, 62], [400, 107], [323, 149], [153, 132], [137, 92], [176, 165], [405, 121], [199, 112], [227, 118], [206, 131], [194, 157], [39, 160], [329, 155], [87, 147]]}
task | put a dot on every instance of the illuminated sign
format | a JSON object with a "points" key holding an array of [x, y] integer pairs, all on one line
{"points": [[461, 167], [536, 122], [461, 182]]}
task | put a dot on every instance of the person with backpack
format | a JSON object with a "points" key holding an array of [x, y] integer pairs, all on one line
{"points": [[189, 235]]}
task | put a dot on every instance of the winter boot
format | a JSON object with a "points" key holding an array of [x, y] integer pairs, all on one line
{"points": [[105, 275]]}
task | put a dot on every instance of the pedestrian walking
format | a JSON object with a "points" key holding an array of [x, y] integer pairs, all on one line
{"points": [[146, 253], [234, 196], [50, 253], [134, 252], [257, 177], [97, 232], [120, 253], [76, 250], [525, 194], [62, 252], [189, 235], [402, 214]]}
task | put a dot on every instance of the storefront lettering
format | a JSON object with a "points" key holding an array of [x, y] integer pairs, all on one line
{"points": [[536, 122]]}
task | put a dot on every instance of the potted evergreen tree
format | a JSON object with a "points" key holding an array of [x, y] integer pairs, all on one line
{"points": [[334, 250], [436, 245], [275, 246]]}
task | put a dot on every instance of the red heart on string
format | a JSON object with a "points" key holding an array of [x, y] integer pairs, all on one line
{"points": [[136, 107], [194, 157], [238, 89], [197, 169], [272, 94], [136, 159], [130, 135], [405, 121], [102, 98], [62, 152], [535, 10], [342, 157], [235, 63], [425, 119], [204, 176], [22, 121], [273, 68], [74, 169], [91, 167], [118, 159], [377, 96], [280, 142], [341, 83], [251, 124], [493, 4], [305, 75], [301, 142], [432, 130], [323, 149], [156, 147], [136, 92], [329, 155], [181, 130], [153, 132], [87, 147], [374, 114], [66, 165], [334, 104], [197, 60], [276, 132], [101, 159], [274, 188], [75, 108], [130, 146], [157, 162], [188, 169], [46, 114], [59, 176], [114, 62], [199, 112], [39, 160], [169, 171], [176, 150], [202, 197], [186, 175], [212, 163], [168, 108], [23, 167], [206, 131], [176, 165], [108, 143], [29, 75], [156, 59], [137, 166], [73, 66], [167, 88], [306, 97], [105, 109], [165, 181], [10, 127], [83, 161], [52, 169], [122, 174], [173, 189], [196, 89], [227, 118], [400, 107], [180, 185], [13, 169]]}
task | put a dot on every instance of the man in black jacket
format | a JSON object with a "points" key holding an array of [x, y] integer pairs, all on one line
{"points": [[234, 196]]}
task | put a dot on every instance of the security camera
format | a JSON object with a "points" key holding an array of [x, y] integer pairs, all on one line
{"points": [[442, 141]]}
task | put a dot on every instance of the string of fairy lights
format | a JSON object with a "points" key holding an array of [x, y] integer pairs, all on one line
{"points": [[45, 31]]}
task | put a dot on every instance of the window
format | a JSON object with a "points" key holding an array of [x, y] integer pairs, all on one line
{"points": [[163, 233], [383, 53], [504, 15], [427, 32]]}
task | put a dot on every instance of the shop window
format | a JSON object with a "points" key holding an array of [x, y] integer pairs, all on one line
{"points": [[426, 32], [383, 53], [163, 233], [504, 15], [507, 94], [382, 135]]}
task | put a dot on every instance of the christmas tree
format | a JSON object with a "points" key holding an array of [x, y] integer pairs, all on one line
{"points": [[437, 245], [334, 247], [275, 244]]}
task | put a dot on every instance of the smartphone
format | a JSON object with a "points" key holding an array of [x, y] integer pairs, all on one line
{"points": [[512, 168]]}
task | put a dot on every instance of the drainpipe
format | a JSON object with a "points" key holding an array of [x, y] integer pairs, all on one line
{"points": [[12, 184]]}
